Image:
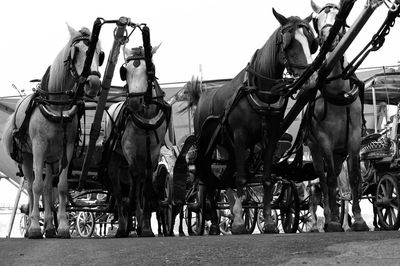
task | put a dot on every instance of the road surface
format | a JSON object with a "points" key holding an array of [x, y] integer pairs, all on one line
{"points": [[364, 248]]}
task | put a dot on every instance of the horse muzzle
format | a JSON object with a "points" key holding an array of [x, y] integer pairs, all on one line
{"points": [[93, 84]]}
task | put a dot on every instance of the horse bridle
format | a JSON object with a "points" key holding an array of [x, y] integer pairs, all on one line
{"points": [[280, 42], [327, 9], [71, 57]]}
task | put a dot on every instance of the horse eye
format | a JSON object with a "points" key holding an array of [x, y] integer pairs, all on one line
{"points": [[327, 10]]}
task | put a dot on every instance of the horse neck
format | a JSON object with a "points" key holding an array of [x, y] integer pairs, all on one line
{"points": [[338, 85], [266, 63], [60, 78]]}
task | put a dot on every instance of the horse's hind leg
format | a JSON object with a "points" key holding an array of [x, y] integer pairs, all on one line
{"points": [[49, 229], [27, 169]]}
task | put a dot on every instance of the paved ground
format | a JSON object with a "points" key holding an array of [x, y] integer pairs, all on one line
{"points": [[365, 248]]}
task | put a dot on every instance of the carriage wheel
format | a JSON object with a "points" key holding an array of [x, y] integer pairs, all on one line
{"points": [[168, 208], [388, 202], [342, 211], [23, 224], [289, 208], [194, 213], [260, 218], [72, 223], [250, 219], [85, 224], [305, 221], [225, 217]]}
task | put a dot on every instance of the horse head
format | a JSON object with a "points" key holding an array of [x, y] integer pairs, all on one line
{"points": [[324, 21], [134, 72], [295, 43], [78, 46]]}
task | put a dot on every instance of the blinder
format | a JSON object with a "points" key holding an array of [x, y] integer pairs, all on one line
{"points": [[101, 58]]}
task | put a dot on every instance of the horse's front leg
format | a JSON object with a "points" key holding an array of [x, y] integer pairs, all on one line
{"points": [[238, 225], [268, 184], [62, 216], [355, 179], [144, 206], [114, 173], [332, 223], [315, 199], [48, 202], [37, 188]]}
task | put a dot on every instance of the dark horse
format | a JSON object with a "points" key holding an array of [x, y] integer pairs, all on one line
{"points": [[135, 133], [229, 121], [335, 130]]}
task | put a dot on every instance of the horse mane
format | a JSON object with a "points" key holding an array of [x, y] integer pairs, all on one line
{"points": [[59, 73]]}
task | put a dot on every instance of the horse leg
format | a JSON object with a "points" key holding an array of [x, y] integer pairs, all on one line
{"points": [[114, 173], [143, 207], [333, 165], [181, 216], [214, 228], [315, 198], [27, 168], [355, 178], [238, 225], [62, 216], [37, 188], [318, 163], [49, 229], [268, 185]]}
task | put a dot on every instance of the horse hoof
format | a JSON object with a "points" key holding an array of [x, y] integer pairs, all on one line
{"points": [[214, 230], [333, 227], [238, 229], [182, 234], [35, 234], [359, 226], [63, 234], [50, 233], [120, 234], [270, 229], [146, 233]]}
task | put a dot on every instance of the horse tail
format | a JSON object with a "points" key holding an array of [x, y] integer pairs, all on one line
{"points": [[193, 90]]}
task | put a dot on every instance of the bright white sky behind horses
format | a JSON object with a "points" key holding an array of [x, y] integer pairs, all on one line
{"points": [[220, 35]]}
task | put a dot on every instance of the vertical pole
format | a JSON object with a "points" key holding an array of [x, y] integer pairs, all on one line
{"points": [[374, 109], [14, 212]]}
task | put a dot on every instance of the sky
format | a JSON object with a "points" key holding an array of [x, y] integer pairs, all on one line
{"points": [[219, 35]]}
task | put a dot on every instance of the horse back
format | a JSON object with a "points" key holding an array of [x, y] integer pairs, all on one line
{"points": [[214, 102]]}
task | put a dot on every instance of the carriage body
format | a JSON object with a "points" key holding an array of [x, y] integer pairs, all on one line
{"points": [[380, 155]]}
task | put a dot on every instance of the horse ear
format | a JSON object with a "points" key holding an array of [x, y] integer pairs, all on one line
{"points": [[72, 31], [315, 7], [308, 19], [155, 48], [282, 19]]}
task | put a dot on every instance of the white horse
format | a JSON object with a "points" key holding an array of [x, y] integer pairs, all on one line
{"points": [[137, 131], [47, 132]]}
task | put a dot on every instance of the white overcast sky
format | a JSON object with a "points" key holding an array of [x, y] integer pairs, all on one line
{"points": [[221, 35]]}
